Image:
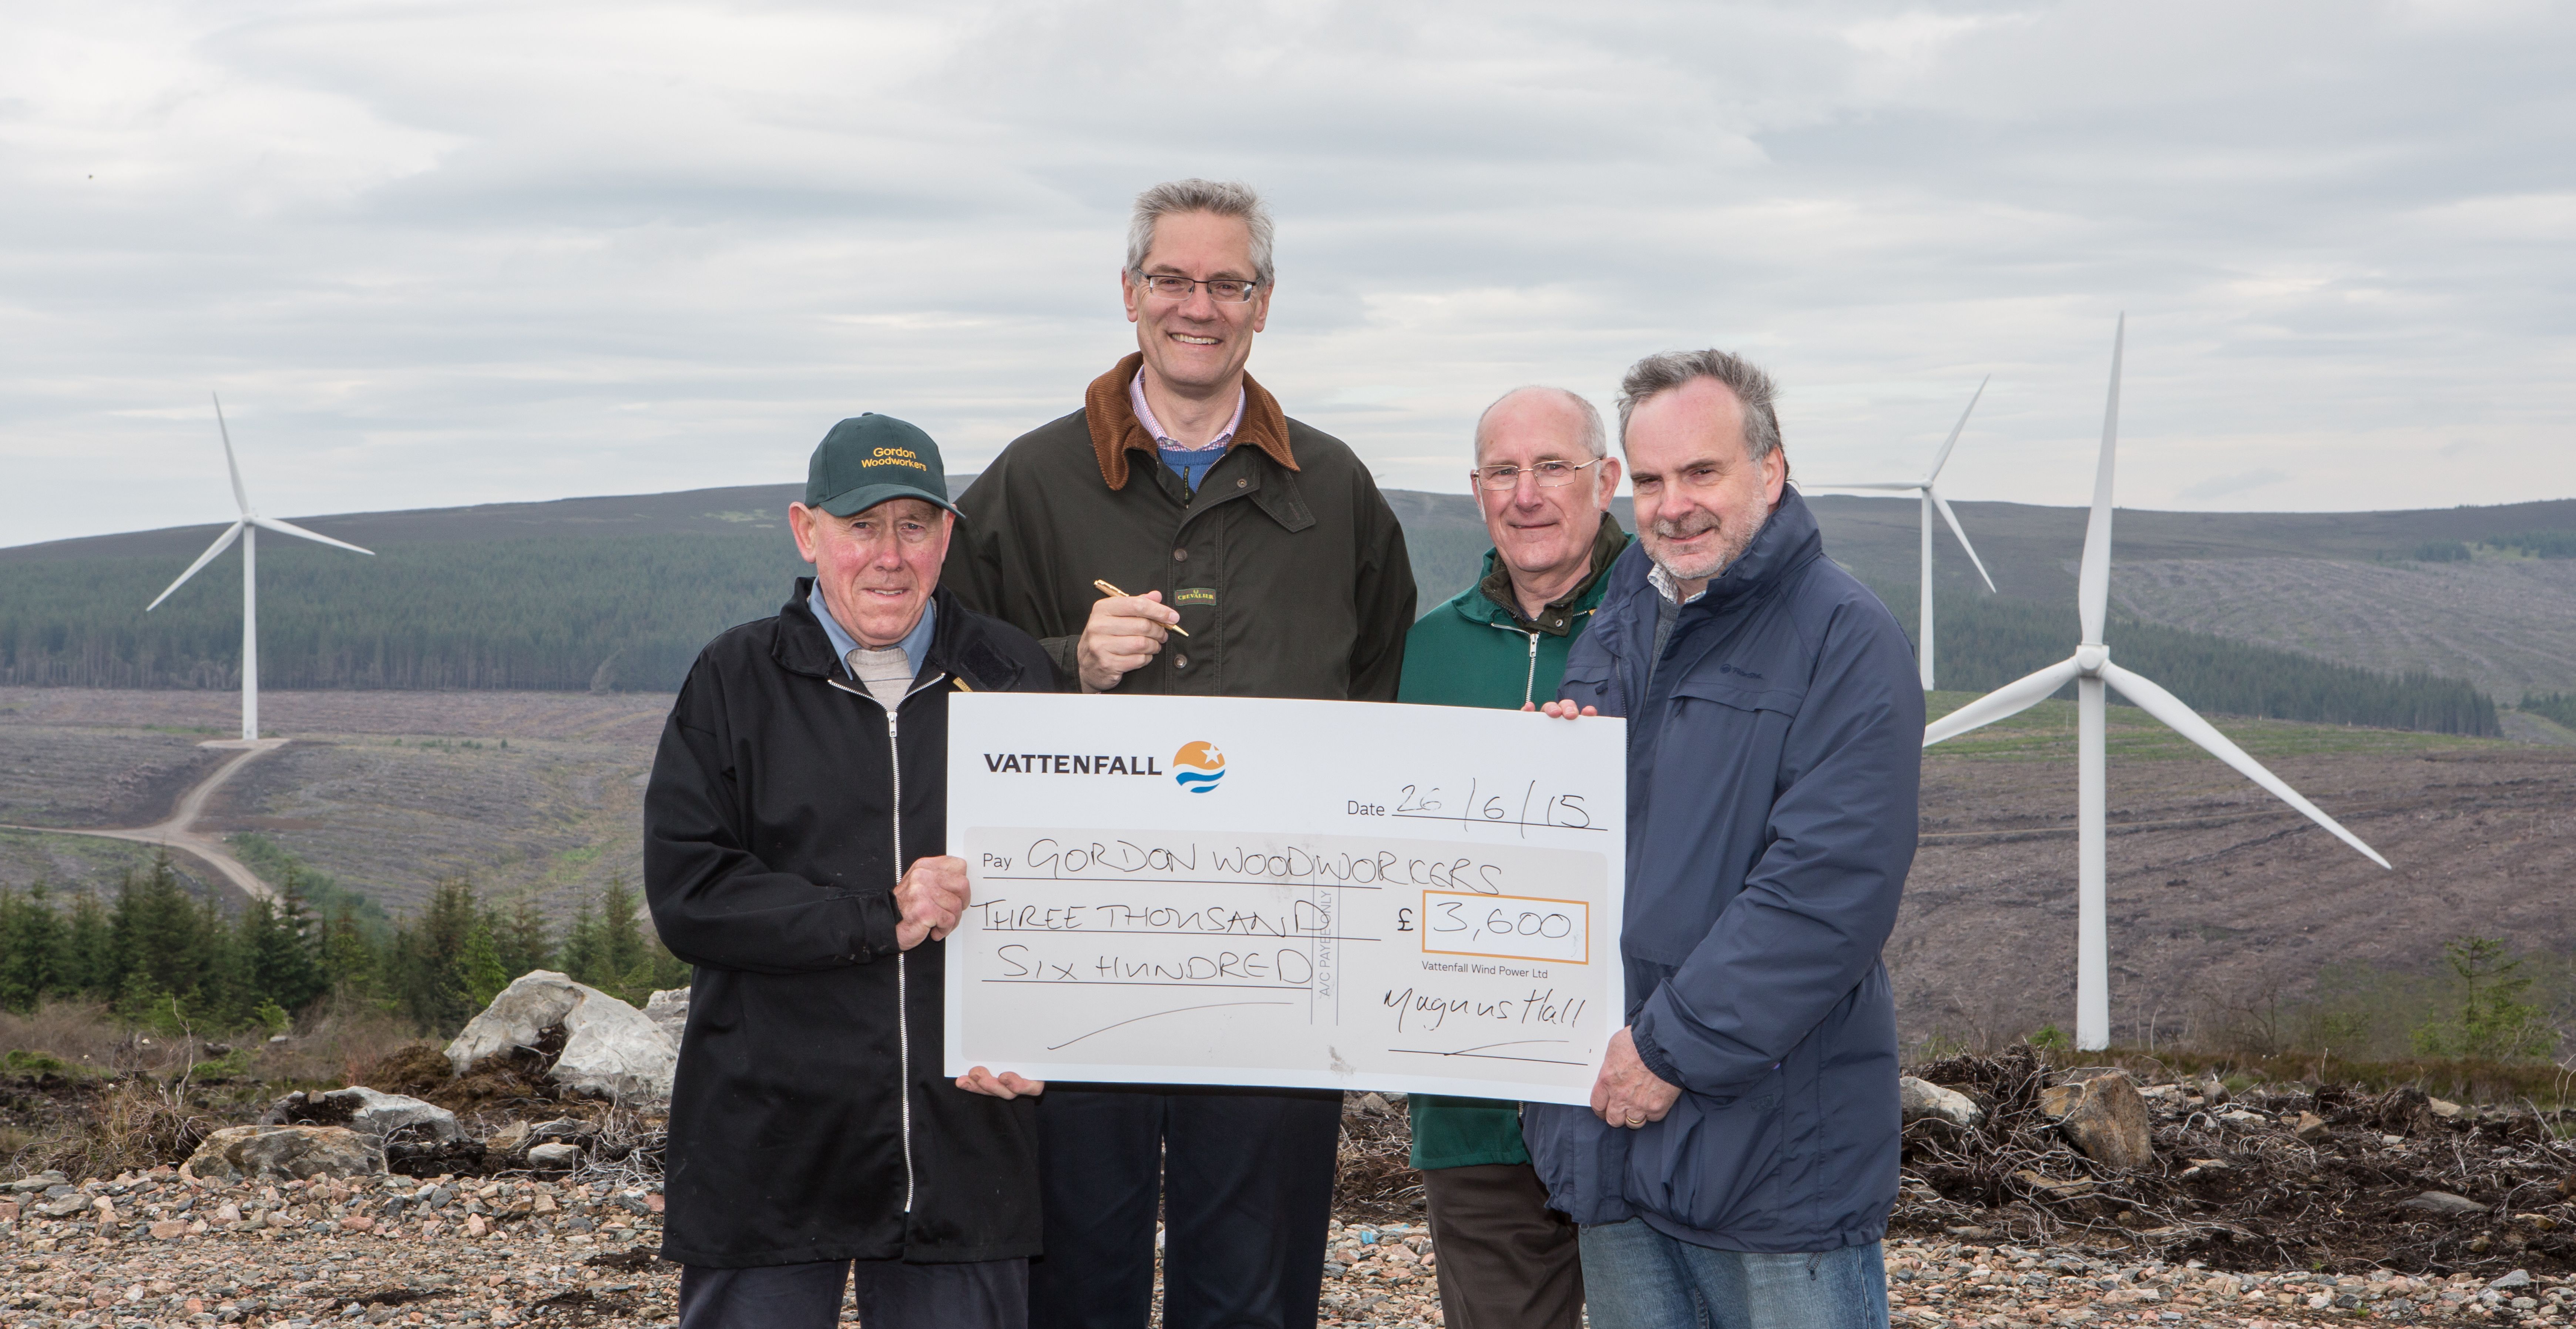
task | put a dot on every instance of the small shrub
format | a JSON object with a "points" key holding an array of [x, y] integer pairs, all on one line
{"points": [[2493, 1022]]}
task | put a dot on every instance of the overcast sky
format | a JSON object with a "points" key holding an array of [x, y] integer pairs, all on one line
{"points": [[435, 254]]}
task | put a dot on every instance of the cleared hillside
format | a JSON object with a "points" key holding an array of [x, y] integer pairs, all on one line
{"points": [[2504, 622]]}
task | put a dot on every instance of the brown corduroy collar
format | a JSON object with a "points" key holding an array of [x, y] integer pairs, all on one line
{"points": [[1115, 430]]}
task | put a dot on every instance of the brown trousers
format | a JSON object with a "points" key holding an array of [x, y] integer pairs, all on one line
{"points": [[1507, 1261]]}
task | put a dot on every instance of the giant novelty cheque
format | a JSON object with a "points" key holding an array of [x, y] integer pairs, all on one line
{"points": [[1331, 895]]}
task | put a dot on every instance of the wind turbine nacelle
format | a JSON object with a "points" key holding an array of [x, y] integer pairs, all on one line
{"points": [[2091, 656]]}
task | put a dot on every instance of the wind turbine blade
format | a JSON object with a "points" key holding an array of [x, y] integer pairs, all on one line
{"points": [[1955, 529], [222, 543], [241, 500], [2093, 580], [1907, 486], [2165, 706], [290, 528], [1942, 457], [2009, 700]]}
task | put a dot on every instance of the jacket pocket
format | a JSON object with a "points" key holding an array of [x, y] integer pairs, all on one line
{"points": [[1710, 1162], [1579, 1160], [1587, 685], [1704, 685]]}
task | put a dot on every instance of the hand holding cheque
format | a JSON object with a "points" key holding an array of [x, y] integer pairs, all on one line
{"points": [[1626, 1093]]}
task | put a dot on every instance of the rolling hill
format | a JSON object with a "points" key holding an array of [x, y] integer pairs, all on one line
{"points": [[616, 593]]}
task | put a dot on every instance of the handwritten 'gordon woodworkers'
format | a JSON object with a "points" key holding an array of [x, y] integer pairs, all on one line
{"points": [[1342, 895]]}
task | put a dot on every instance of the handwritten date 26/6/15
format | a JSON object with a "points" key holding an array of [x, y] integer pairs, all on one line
{"points": [[1481, 805]]}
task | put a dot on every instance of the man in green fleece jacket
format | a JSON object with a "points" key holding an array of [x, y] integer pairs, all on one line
{"points": [[1544, 478]]}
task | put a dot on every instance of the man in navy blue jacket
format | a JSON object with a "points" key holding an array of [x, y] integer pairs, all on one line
{"points": [[1740, 1156]]}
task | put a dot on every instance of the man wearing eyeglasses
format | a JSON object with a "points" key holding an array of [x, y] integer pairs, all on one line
{"points": [[1544, 478], [1265, 542]]}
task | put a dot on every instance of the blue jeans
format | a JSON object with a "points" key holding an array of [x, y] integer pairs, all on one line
{"points": [[1637, 1278]]}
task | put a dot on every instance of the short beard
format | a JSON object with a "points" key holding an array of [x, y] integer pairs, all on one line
{"points": [[1732, 539]]}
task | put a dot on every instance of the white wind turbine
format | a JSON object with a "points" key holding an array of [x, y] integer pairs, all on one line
{"points": [[246, 529], [2091, 670], [1932, 499]]}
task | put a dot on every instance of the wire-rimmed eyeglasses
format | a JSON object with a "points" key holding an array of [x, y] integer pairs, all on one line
{"points": [[1551, 474], [1223, 290]]}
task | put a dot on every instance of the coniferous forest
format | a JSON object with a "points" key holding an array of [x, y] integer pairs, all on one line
{"points": [[159, 955]]}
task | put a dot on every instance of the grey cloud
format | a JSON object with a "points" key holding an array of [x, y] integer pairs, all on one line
{"points": [[497, 253]]}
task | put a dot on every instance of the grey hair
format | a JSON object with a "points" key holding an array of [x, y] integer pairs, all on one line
{"points": [[1225, 198], [1594, 440], [1753, 389]]}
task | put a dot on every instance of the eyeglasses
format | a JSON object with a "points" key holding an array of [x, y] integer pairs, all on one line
{"points": [[1551, 475], [1223, 290]]}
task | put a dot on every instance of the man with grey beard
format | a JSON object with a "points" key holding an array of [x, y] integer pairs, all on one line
{"points": [[1739, 1158]]}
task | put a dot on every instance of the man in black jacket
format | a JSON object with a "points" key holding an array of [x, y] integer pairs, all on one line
{"points": [[794, 852], [1267, 544]]}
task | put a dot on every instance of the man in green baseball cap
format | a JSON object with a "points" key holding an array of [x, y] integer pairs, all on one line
{"points": [[792, 834], [870, 458], [875, 525]]}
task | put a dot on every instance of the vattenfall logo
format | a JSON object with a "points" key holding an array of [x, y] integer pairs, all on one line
{"points": [[1200, 766]]}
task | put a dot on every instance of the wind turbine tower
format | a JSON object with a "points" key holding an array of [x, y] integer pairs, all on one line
{"points": [[246, 529], [2092, 672], [1931, 499]]}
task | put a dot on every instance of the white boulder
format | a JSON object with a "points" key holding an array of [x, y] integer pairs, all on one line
{"points": [[669, 1009], [610, 1048], [364, 1110], [1922, 1098]]}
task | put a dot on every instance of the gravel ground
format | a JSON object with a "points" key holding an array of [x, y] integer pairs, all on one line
{"points": [[166, 1250]]}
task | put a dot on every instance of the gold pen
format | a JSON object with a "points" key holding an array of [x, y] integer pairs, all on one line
{"points": [[1107, 589]]}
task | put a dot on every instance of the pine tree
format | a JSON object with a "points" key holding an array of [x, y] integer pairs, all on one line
{"points": [[34, 949], [89, 945], [228, 986], [621, 960], [524, 940], [579, 957], [352, 967], [285, 947], [480, 968], [160, 941], [432, 978]]}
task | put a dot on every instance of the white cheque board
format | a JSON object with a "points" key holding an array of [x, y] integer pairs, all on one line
{"points": [[1330, 895]]}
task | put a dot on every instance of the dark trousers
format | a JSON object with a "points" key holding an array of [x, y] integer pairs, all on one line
{"points": [[1246, 1183], [987, 1294], [1507, 1261]]}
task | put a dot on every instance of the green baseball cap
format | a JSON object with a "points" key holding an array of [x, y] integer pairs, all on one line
{"points": [[872, 458]]}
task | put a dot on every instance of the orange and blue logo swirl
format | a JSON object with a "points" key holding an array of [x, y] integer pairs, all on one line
{"points": [[1198, 766]]}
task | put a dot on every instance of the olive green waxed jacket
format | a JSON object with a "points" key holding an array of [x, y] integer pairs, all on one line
{"points": [[1287, 566]]}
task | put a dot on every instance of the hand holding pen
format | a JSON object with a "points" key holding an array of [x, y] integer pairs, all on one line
{"points": [[1125, 631]]}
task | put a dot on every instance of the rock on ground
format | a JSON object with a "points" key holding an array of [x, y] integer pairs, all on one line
{"points": [[669, 1012], [285, 1153], [2102, 1113], [364, 1110], [610, 1049], [1921, 1099]]}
